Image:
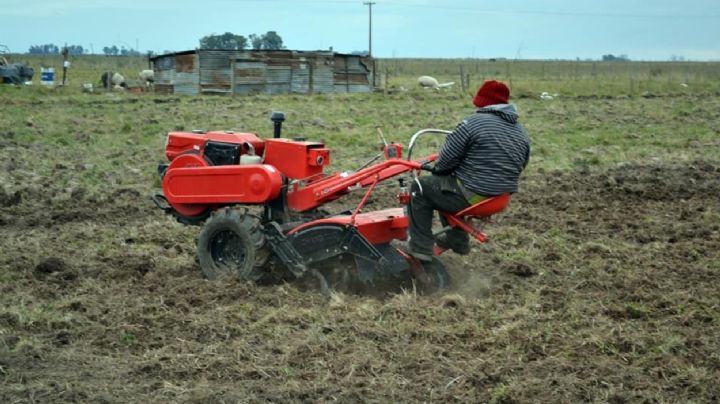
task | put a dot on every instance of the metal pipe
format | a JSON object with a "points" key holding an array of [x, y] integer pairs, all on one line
{"points": [[413, 139], [277, 117], [421, 132]]}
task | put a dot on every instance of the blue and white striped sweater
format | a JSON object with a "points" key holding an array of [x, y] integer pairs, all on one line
{"points": [[487, 151]]}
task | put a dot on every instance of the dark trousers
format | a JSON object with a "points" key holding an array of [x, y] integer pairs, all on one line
{"points": [[439, 192]]}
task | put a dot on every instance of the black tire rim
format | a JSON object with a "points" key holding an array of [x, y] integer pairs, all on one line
{"points": [[226, 249]]}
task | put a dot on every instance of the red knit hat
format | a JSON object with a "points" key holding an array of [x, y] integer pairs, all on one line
{"points": [[490, 93]]}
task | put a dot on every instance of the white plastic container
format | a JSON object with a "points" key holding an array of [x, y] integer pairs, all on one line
{"points": [[47, 76]]}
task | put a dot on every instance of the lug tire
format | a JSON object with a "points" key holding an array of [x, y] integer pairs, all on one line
{"points": [[232, 242]]}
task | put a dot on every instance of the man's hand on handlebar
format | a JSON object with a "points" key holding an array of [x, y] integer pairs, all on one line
{"points": [[428, 167]]}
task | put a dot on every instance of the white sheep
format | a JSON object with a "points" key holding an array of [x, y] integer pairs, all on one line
{"points": [[108, 79], [147, 76], [431, 82]]}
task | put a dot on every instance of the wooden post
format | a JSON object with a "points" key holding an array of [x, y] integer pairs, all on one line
{"points": [[311, 72], [462, 79], [233, 62], [507, 71], [347, 77], [387, 74], [65, 63]]}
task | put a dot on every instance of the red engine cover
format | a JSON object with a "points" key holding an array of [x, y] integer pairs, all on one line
{"points": [[208, 185]]}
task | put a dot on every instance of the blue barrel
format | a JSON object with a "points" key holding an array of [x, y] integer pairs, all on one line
{"points": [[47, 75]]}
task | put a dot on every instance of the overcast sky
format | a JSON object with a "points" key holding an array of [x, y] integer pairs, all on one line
{"points": [[525, 29]]}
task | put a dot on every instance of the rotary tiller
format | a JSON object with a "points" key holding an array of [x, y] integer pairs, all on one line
{"points": [[213, 179]]}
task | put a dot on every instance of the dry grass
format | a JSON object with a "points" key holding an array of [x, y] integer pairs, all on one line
{"points": [[597, 285]]}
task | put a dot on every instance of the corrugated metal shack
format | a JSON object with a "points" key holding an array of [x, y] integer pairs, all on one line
{"points": [[206, 71]]}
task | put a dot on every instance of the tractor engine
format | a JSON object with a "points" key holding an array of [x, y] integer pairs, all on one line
{"points": [[207, 170]]}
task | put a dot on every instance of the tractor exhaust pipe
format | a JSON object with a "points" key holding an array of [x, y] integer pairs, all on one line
{"points": [[277, 117]]}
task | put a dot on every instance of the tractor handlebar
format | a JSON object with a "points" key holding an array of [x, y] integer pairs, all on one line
{"points": [[427, 167], [418, 134]]}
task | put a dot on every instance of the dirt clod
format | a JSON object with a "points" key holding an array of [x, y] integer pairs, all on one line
{"points": [[51, 265]]}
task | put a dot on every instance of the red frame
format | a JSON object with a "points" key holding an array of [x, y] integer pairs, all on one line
{"points": [[320, 192]]}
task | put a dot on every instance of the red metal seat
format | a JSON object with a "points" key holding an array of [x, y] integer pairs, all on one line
{"points": [[481, 210]]}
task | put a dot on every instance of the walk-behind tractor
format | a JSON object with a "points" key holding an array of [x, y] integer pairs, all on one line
{"points": [[261, 204]]}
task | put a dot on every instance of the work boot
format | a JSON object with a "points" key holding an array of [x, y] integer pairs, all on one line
{"points": [[459, 247], [406, 247]]}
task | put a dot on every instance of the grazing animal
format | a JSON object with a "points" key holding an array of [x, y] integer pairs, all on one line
{"points": [[108, 79], [431, 82], [148, 76]]}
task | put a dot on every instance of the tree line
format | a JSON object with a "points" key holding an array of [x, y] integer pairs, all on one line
{"points": [[613, 58], [267, 41], [52, 49]]}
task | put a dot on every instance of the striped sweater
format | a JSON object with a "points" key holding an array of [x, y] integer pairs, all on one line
{"points": [[487, 151]]}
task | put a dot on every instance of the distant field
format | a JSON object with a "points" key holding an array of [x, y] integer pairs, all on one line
{"points": [[599, 284], [528, 78]]}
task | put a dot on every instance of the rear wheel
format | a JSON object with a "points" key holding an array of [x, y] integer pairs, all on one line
{"points": [[435, 278], [232, 242]]}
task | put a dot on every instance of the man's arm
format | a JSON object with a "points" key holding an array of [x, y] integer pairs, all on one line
{"points": [[453, 150]]}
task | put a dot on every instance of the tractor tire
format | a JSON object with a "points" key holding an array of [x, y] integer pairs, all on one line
{"points": [[232, 242]]}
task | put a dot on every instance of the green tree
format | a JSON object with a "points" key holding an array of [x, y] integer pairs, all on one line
{"points": [[227, 40], [268, 41], [110, 50], [129, 52], [47, 49], [75, 49], [613, 58], [256, 41], [271, 40]]}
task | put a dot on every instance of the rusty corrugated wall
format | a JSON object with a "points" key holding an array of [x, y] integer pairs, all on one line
{"points": [[323, 74], [186, 74], [351, 74], [176, 73], [257, 71], [216, 73]]}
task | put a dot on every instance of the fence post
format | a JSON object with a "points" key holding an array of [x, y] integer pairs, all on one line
{"points": [[66, 64], [387, 75]]}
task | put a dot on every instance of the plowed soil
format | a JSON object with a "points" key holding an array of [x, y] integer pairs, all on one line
{"points": [[596, 285]]}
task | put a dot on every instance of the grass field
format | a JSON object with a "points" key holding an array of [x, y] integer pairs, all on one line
{"points": [[599, 284]]}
